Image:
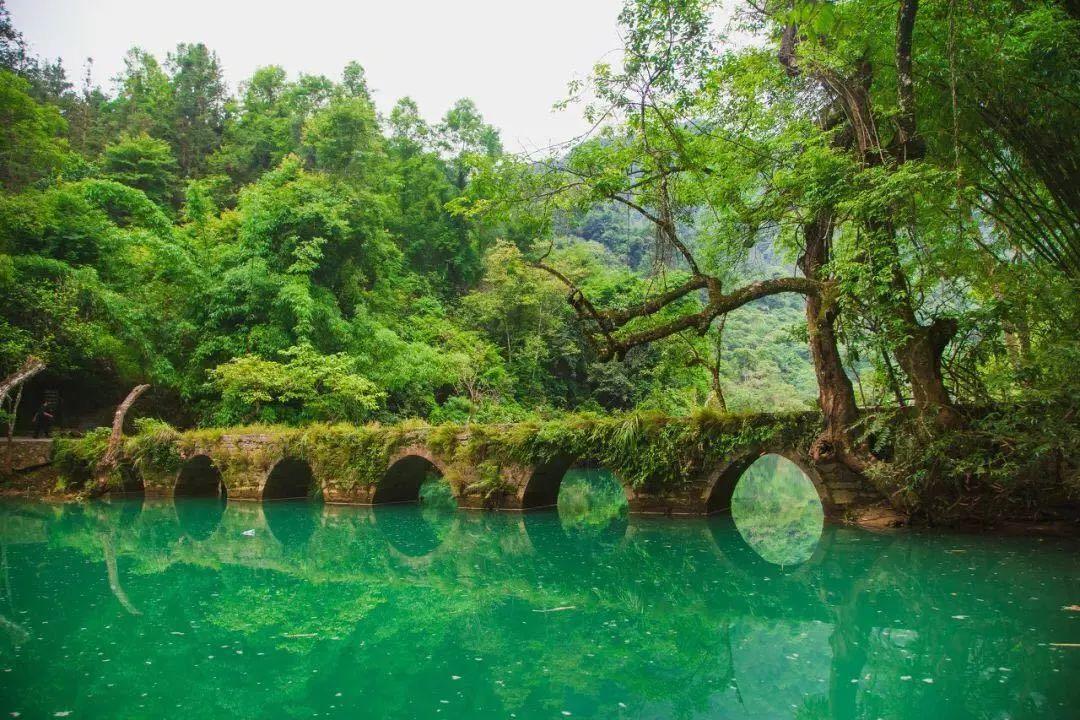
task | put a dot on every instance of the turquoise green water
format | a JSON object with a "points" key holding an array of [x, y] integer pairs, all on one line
{"points": [[136, 609]]}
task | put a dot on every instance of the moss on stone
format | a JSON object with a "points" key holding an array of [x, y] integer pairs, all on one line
{"points": [[644, 449]]}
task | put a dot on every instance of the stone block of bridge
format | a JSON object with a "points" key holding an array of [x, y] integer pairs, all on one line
{"points": [[849, 496], [687, 500], [22, 454], [244, 461]]}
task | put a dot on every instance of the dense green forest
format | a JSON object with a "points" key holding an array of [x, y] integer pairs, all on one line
{"points": [[861, 206]]}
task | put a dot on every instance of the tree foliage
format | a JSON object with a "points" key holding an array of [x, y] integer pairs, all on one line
{"points": [[863, 207]]}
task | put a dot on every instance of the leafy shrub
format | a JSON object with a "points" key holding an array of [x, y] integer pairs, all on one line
{"points": [[76, 458]]}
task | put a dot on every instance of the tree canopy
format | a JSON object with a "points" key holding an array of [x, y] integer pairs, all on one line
{"points": [[857, 208]]}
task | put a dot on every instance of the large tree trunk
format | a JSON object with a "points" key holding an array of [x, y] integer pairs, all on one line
{"points": [[920, 358], [112, 453], [835, 392], [919, 354]]}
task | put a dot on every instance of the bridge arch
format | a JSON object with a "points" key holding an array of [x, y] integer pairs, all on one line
{"points": [[200, 477], [541, 487], [720, 483], [131, 481], [290, 479], [406, 472], [777, 526]]}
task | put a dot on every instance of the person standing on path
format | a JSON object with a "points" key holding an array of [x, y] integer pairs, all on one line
{"points": [[43, 419]]}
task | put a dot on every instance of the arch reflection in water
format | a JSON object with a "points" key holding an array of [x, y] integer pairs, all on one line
{"points": [[419, 530], [200, 497], [199, 517], [292, 522], [290, 514], [592, 514], [777, 511]]}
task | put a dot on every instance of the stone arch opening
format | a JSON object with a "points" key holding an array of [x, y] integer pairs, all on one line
{"points": [[720, 488], [592, 501], [131, 482], [777, 511], [403, 480], [542, 488], [199, 477], [590, 481], [289, 479]]}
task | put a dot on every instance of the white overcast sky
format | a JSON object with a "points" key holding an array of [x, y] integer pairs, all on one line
{"points": [[513, 57]]}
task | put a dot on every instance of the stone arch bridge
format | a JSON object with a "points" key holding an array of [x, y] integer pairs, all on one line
{"points": [[261, 467]]}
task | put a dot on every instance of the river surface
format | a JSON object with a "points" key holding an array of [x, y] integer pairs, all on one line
{"points": [[195, 609]]}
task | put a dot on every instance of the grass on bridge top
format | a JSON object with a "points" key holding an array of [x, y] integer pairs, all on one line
{"points": [[643, 448]]}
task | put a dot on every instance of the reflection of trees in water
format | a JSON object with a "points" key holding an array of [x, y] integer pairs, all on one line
{"points": [[16, 528], [666, 614], [436, 495], [777, 511], [109, 518], [113, 574], [591, 500]]}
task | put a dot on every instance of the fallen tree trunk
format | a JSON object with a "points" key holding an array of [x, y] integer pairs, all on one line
{"points": [[11, 429], [30, 367], [114, 574], [109, 460]]}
